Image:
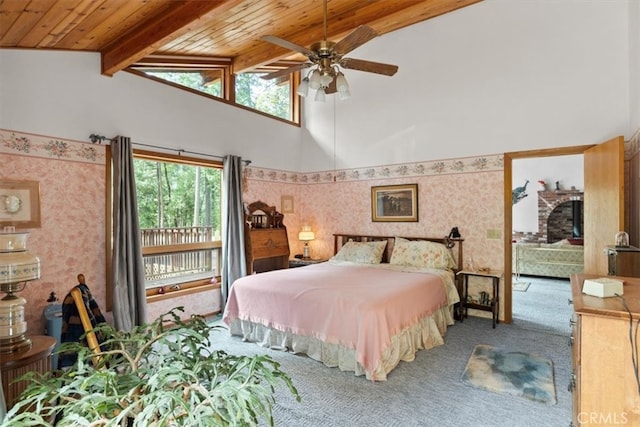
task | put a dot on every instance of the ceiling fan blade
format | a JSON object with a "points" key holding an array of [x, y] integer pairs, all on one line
{"points": [[369, 66], [287, 44], [287, 71], [356, 38]]}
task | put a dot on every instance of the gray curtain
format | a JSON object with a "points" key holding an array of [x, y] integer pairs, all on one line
{"points": [[128, 290], [233, 256]]}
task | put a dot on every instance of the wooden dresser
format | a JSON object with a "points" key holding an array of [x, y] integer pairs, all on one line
{"points": [[266, 240], [604, 387]]}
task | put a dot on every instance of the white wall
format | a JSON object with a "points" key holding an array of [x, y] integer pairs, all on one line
{"points": [[500, 75], [568, 170], [634, 67], [497, 76], [63, 94]]}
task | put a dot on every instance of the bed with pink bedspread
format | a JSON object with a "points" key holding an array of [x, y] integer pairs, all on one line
{"points": [[352, 312]]}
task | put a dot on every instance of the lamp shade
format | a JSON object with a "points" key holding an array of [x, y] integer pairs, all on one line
{"points": [[306, 235], [320, 95], [314, 80], [325, 80], [17, 266], [16, 263], [303, 88], [341, 83]]}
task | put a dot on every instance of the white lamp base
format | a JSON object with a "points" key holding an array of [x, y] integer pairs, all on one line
{"points": [[12, 324], [305, 251]]}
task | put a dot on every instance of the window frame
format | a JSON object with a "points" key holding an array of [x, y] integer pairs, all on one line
{"points": [[227, 84], [184, 287]]}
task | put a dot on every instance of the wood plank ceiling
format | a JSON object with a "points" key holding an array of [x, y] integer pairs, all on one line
{"points": [[126, 32]]}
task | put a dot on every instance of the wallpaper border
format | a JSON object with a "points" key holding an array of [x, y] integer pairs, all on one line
{"points": [[33, 145], [403, 170], [28, 144]]}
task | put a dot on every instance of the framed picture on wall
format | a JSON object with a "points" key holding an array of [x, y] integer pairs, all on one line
{"points": [[287, 204], [19, 204], [394, 203]]}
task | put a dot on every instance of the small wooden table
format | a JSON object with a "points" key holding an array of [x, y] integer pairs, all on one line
{"points": [[14, 365], [301, 262], [493, 304]]}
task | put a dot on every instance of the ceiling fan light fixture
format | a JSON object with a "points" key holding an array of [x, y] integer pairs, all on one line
{"points": [[314, 80], [326, 59], [320, 95], [344, 95], [303, 87], [341, 83], [325, 80]]}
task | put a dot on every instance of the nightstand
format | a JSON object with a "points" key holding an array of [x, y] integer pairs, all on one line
{"points": [[14, 365], [301, 262], [491, 304]]}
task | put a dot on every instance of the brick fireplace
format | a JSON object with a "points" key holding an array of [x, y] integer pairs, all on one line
{"points": [[560, 216]]}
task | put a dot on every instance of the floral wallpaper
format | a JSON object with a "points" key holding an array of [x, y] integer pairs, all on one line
{"points": [[71, 237], [465, 192], [472, 201]]}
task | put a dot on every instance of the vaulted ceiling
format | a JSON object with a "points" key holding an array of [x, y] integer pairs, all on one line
{"points": [[196, 32]]}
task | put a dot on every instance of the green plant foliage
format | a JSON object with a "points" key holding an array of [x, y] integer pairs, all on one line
{"points": [[263, 95], [177, 195], [190, 79], [250, 90], [165, 373]]}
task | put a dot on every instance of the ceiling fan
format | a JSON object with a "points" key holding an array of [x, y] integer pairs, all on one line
{"points": [[327, 58]]}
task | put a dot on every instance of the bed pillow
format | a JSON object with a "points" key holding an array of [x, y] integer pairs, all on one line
{"points": [[363, 252], [421, 253]]}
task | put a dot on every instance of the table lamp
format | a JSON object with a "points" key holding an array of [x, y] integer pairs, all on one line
{"points": [[306, 235], [17, 267]]}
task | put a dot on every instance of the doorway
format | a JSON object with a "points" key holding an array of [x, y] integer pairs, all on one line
{"points": [[509, 183], [603, 207], [546, 239]]}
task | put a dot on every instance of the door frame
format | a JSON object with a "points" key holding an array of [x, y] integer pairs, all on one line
{"points": [[508, 211]]}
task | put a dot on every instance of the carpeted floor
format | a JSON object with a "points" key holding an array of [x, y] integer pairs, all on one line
{"points": [[426, 392], [544, 306]]}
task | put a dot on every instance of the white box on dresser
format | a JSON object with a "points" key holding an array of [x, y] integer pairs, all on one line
{"points": [[603, 287]]}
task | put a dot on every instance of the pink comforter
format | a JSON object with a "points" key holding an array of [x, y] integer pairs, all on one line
{"points": [[353, 305]]}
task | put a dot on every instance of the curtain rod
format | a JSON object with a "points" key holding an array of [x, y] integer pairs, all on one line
{"points": [[99, 139]]}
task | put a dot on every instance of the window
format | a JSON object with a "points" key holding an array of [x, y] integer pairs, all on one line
{"points": [[207, 82], [268, 96], [276, 98], [179, 211]]}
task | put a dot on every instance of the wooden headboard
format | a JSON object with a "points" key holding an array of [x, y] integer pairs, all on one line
{"points": [[454, 245]]}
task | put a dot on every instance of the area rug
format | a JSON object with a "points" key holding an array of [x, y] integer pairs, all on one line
{"points": [[520, 286], [511, 372]]}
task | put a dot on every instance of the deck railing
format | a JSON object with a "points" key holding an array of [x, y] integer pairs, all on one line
{"points": [[180, 254], [177, 236]]}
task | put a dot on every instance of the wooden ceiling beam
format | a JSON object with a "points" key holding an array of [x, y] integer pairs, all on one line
{"points": [[174, 21], [383, 17]]}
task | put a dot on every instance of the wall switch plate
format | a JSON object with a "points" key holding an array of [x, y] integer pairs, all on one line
{"points": [[494, 234]]}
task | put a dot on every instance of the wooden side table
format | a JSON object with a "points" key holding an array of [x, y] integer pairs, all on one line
{"points": [[14, 365], [300, 262], [493, 305]]}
